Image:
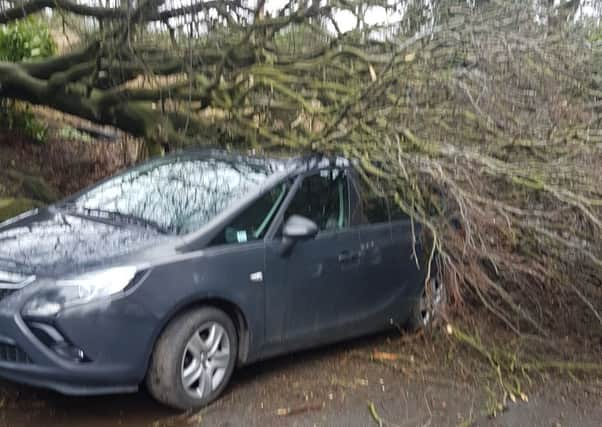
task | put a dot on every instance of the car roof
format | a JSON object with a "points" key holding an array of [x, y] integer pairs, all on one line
{"points": [[278, 161]]}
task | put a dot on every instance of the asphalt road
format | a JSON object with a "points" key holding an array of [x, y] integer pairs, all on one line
{"points": [[332, 386]]}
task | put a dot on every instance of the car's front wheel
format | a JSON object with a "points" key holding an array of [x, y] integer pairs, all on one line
{"points": [[193, 359]]}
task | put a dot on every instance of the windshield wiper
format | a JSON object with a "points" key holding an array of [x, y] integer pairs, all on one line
{"points": [[117, 217]]}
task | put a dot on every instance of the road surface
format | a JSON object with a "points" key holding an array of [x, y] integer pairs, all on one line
{"points": [[332, 386]]}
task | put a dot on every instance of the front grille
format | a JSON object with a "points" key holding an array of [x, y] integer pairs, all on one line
{"points": [[13, 354]]}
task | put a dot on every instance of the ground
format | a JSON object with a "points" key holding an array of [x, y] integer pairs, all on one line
{"points": [[331, 386]]}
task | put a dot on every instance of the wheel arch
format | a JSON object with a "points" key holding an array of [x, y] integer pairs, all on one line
{"points": [[240, 323], [231, 309]]}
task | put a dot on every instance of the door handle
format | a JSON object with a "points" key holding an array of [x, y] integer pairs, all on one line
{"points": [[347, 256]]}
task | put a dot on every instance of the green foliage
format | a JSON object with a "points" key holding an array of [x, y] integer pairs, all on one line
{"points": [[14, 116], [69, 133], [596, 35], [26, 39], [12, 207]]}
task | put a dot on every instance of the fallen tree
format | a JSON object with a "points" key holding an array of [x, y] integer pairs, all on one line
{"points": [[482, 121]]}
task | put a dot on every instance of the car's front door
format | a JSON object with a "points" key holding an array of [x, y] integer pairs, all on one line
{"points": [[239, 249], [316, 277]]}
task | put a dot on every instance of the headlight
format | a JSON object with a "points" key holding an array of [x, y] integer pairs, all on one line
{"points": [[79, 290]]}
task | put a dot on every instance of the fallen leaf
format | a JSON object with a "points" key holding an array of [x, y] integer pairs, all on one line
{"points": [[381, 355], [282, 411]]}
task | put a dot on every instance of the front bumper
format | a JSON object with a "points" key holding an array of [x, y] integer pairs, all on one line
{"points": [[116, 335]]}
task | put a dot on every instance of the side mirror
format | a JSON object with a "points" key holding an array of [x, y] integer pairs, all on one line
{"points": [[297, 228]]}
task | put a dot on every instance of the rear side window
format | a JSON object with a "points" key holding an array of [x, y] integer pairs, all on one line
{"points": [[323, 198], [373, 207], [254, 221], [397, 214]]}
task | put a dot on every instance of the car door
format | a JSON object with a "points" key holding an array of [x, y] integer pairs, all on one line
{"points": [[387, 259], [237, 251], [315, 278], [410, 257]]}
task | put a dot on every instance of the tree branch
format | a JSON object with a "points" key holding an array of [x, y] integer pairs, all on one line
{"points": [[27, 8]]}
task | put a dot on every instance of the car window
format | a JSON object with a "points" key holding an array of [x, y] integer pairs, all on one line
{"points": [[177, 194], [373, 206], [397, 214], [323, 198], [254, 221]]}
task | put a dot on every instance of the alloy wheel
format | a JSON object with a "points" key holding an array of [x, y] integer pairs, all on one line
{"points": [[205, 360]]}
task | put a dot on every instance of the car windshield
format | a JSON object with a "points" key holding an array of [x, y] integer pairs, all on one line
{"points": [[174, 195]]}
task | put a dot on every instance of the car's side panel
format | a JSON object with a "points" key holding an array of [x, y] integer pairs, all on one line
{"points": [[390, 258], [114, 334], [388, 264], [410, 258], [217, 273], [377, 269], [319, 289], [313, 282]]}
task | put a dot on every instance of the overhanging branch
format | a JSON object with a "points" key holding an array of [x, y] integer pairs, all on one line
{"points": [[26, 8]]}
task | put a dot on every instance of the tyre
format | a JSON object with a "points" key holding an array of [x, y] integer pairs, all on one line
{"points": [[426, 309], [193, 359]]}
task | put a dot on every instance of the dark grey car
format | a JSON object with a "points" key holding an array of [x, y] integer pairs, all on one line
{"points": [[176, 271]]}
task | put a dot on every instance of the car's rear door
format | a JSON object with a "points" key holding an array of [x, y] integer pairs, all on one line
{"points": [[387, 259]]}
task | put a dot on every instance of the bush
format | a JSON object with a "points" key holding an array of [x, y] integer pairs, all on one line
{"points": [[26, 39], [19, 117]]}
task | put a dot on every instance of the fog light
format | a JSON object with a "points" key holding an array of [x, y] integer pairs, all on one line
{"points": [[69, 352], [54, 340]]}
